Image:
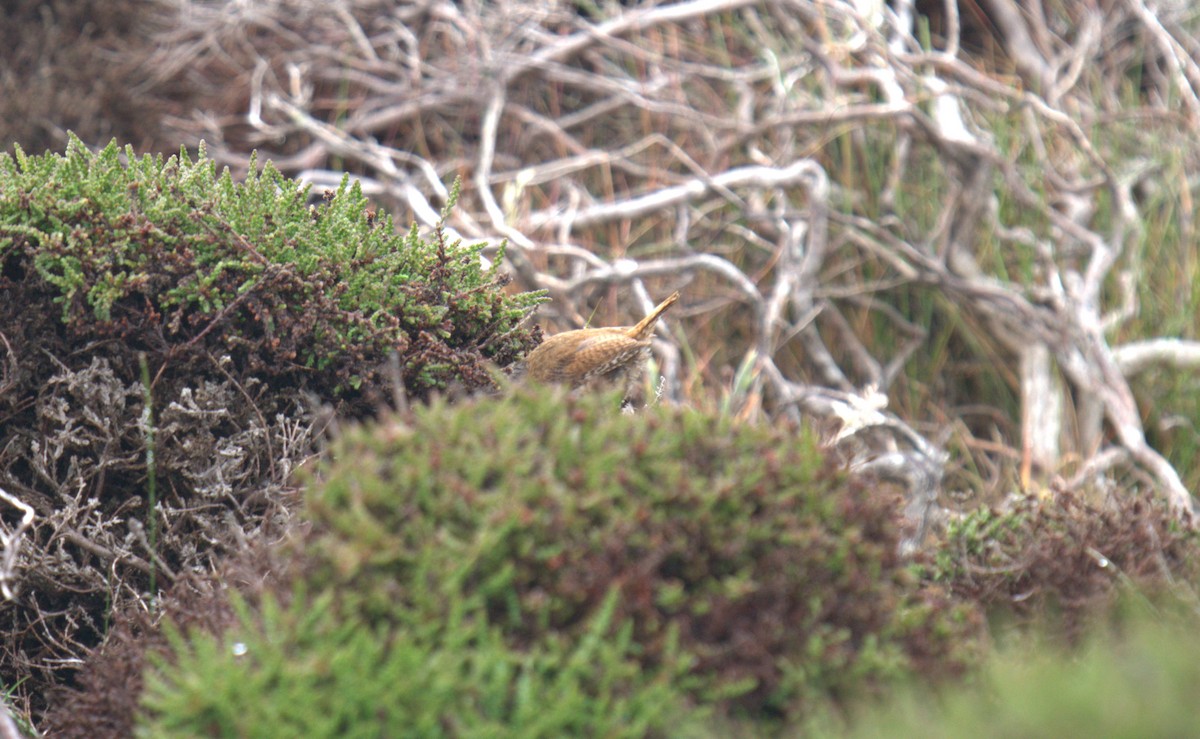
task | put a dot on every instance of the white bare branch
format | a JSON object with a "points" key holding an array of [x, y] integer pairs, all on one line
{"points": [[806, 184]]}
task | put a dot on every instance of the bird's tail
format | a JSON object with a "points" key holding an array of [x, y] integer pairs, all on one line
{"points": [[646, 325]]}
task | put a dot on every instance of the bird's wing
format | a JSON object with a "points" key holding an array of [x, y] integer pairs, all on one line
{"points": [[602, 353]]}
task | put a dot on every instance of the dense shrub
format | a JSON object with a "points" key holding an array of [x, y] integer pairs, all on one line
{"points": [[180, 261], [778, 575], [168, 339], [542, 549], [1066, 557]]}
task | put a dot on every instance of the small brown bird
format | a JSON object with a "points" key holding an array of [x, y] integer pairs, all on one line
{"points": [[597, 355]]}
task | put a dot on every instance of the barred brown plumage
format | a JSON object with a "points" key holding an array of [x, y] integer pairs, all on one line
{"points": [[596, 354]]}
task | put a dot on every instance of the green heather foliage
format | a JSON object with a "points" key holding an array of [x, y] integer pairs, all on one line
{"points": [[172, 255], [777, 576], [307, 671]]}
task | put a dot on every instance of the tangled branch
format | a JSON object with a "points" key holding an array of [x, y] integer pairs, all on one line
{"points": [[806, 178]]}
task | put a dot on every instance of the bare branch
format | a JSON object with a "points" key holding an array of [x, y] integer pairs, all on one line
{"points": [[613, 155], [10, 543]]}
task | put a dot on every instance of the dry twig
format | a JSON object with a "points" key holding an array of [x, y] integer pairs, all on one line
{"points": [[615, 152]]}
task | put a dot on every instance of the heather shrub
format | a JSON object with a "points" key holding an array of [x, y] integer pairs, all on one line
{"points": [[1064, 559], [776, 574], [172, 343], [308, 670], [619, 571], [177, 259]]}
